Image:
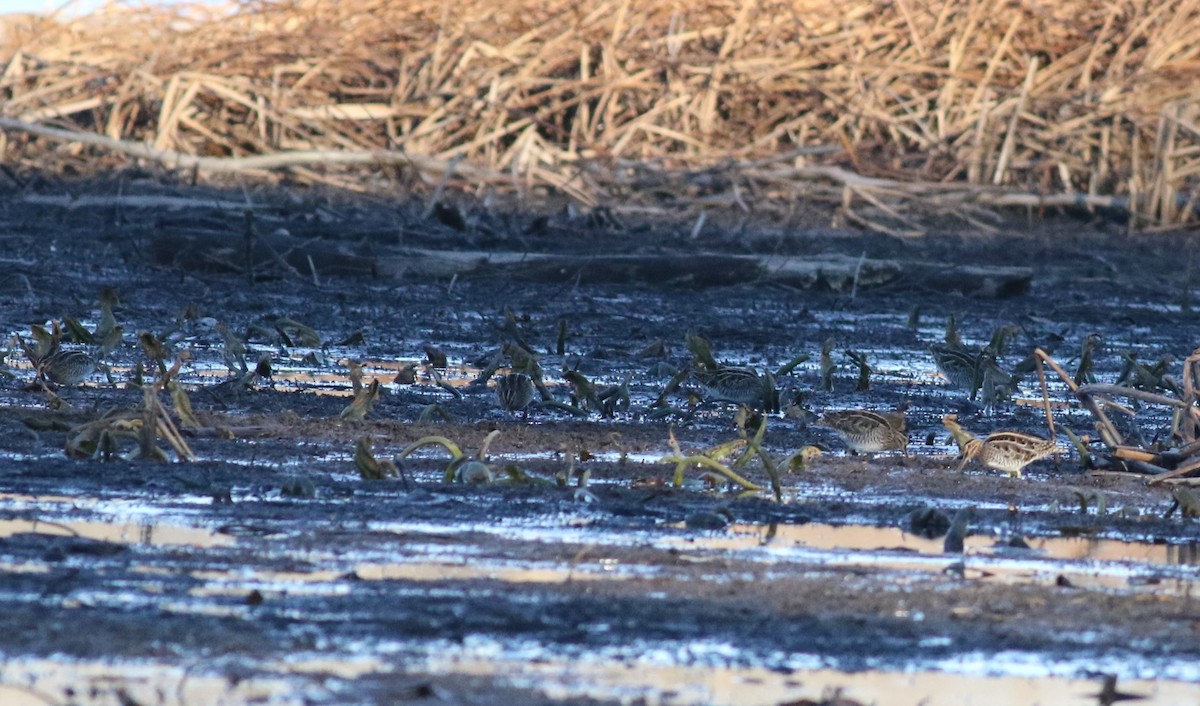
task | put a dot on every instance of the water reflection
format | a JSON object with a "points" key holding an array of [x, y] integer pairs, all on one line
{"points": [[119, 532], [1084, 562], [647, 679], [141, 523], [38, 682], [868, 538]]}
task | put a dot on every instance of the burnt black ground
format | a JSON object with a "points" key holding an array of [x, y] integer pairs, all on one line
{"points": [[96, 599]]}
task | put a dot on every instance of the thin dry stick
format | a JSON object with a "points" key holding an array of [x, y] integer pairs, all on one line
{"points": [[1183, 470], [312, 267], [1010, 139], [876, 225], [1149, 469], [1041, 371], [179, 160], [1108, 432], [1189, 449], [1144, 395], [1189, 377], [1115, 474], [436, 196], [166, 428], [1135, 453], [1132, 392]]}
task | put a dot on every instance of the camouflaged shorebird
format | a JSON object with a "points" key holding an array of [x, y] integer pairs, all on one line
{"points": [[970, 371], [741, 386], [865, 431], [1008, 451], [514, 391], [66, 367], [975, 370]]}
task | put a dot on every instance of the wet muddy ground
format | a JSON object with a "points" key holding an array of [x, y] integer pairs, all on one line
{"points": [[267, 571]]}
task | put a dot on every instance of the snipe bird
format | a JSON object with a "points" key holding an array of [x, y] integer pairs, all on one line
{"points": [[66, 367], [741, 386], [514, 391], [1008, 451], [865, 431]]}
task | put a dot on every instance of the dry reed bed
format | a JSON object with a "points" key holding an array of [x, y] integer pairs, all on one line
{"points": [[951, 105]]}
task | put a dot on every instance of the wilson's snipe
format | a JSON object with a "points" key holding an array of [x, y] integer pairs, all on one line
{"points": [[514, 391], [739, 386], [958, 365], [1008, 451], [868, 432], [66, 367], [994, 382], [972, 371]]}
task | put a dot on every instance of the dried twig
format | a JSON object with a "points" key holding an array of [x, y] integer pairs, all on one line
{"points": [[1108, 432], [1184, 470]]}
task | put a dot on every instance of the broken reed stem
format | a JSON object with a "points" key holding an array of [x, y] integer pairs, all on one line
{"points": [[1186, 469], [166, 428], [1041, 371], [1186, 432], [1189, 449], [1010, 138], [1189, 378], [1104, 425], [1115, 474], [1132, 392], [1149, 469], [179, 160]]}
